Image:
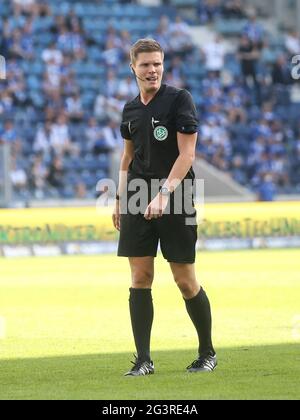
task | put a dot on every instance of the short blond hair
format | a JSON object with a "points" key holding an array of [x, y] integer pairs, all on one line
{"points": [[145, 45]]}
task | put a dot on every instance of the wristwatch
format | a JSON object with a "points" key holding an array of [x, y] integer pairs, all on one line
{"points": [[165, 191]]}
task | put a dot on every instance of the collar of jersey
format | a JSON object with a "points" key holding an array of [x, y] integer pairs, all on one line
{"points": [[158, 93]]}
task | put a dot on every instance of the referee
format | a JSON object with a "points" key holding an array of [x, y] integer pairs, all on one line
{"points": [[159, 128]]}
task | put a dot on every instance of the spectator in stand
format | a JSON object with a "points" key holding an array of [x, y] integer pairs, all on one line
{"points": [[254, 31], [69, 84], [214, 56], [211, 129], [78, 45], [55, 103], [282, 79], [19, 47], [280, 169], [66, 69], [257, 149], [60, 138], [55, 176], [112, 135], [14, 69], [9, 135], [179, 26], [64, 40], [30, 7], [176, 68], [295, 164], [15, 82], [103, 140], [277, 130], [59, 24], [208, 10], [127, 89], [112, 38], [27, 42], [100, 110], [108, 108], [281, 72], [73, 22], [93, 134], [6, 104], [248, 55], [74, 108], [233, 9], [237, 170], [162, 34], [125, 44], [234, 104], [39, 173], [171, 79], [180, 40], [111, 85], [292, 43], [18, 178], [80, 190], [52, 79], [42, 141], [267, 188], [52, 54], [112, 54]]}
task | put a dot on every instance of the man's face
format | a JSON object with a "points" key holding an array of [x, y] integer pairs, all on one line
{"points": [[149, 68]]}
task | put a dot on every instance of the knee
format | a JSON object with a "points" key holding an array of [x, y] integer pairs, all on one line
{"points": [[183, 284], [187, 286], [142, 279]]}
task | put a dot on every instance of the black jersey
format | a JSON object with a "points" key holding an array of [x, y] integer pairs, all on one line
{"points": [[153, 129]]}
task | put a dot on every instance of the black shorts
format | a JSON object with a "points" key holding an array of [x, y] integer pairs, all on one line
{"points": [[177, 234]]}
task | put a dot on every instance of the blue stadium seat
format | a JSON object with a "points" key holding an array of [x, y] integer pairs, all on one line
{"points": [[269, 56], [61, 8], [4, 10], [228, 27], [184, 3], [33, 82], [103, 162], [88, 100], [37, 99], [68, 192], [123, 71], [95, 54], [100, 174], [232, 64], [196, 70], [37, 68]]}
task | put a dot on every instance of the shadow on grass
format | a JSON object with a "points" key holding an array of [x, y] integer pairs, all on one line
{"points": [[264, 372]]}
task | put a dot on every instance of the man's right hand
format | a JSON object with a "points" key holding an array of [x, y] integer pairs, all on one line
{"points": [[116, 215]]}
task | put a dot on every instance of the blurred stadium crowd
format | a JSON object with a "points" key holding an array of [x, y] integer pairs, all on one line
{"points": [[68, 79]]}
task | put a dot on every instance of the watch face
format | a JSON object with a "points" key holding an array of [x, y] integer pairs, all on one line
{"points": [[164, 191]]}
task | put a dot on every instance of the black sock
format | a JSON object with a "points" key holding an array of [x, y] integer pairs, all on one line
{"points": [[141, 313], [199, 311]]}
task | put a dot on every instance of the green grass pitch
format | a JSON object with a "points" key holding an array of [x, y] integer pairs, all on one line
{"points": [[65, 330]]}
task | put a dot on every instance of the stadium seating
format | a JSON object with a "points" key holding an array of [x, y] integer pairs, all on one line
{"points": [[90, 77]]}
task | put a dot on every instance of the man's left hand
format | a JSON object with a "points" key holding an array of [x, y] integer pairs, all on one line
{"points": [[157, 207]]}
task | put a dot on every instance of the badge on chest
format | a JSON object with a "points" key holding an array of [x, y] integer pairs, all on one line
{"points": [[160, 132]]}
